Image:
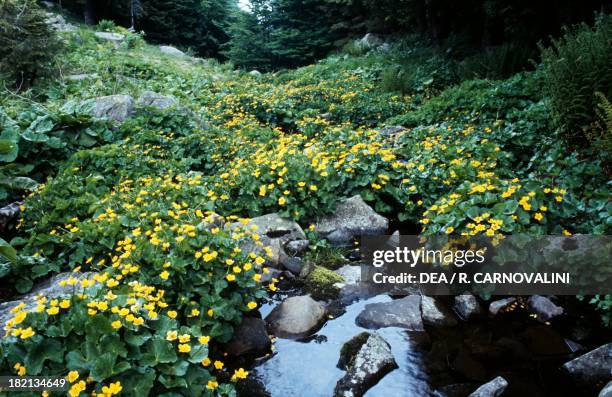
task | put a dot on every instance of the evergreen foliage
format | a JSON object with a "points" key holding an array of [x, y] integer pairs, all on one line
{"points": [[27, 43], [577, 66]]}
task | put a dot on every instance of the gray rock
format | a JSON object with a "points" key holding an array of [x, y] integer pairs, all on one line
{"points": [[496, 306], [155, 100], [9, 215], [58, 23], [250, 338], [296, 317], [296, 247], [467, 306], [493, 388], [274, 232], [391, 130], [271, 274], [82, 76], [47, 4], [255, 73], [51, 289], [351, 218], [606, 391], [592, 367], [543, 307], [116, 38], [351, 275], [113, 107], [292, 263], [169, 50], [403, 313], [370, 40], [435, 314], [371, 360]]}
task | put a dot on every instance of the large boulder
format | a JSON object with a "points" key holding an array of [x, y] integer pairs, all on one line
{"points": [[543, 308], [113, 107], [352, 218], [403, 313], [593, 367], [50, 289], [155, 100], [367, 359], [434, 313], [116, 38], [169, 50], [296, 317], [493, 388], [467, 306], [250, 338]]}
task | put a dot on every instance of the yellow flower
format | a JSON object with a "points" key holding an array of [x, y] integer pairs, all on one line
{"points": [[53, 310], [171, 336], [212, 385], [172, 314], [184, 348], [210, 312], [240, 373], [21, 369], [116, 324], [251, 305], [112, 389], [72, 376], [27, 333], [204, 339], [65, 304], [164, 275], [230, 277], [184, 338], [450, 229], [538, 216], [218, 364], [206, 362], [282, 201]]}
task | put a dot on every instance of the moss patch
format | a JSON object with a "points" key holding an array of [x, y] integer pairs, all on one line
{"points": [[320, 283]]}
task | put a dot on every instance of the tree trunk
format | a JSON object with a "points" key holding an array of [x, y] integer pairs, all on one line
{"points": [[90, 12]]}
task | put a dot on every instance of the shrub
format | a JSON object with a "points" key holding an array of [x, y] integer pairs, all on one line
{"points": [[27, 44], [575, 67], [106, 25]]}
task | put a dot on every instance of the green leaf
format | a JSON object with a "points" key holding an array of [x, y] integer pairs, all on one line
{"points": [[157, 351], [7, 251], [41, 351]]}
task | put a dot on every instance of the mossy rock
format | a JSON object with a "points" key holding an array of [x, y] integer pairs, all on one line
{"points": [[350, 349], [320, 283]]}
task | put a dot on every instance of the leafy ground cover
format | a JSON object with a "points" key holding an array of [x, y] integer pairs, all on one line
{"points": [[141, 212]]}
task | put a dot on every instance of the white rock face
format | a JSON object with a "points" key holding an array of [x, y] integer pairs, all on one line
{"points": [[169, 50]]}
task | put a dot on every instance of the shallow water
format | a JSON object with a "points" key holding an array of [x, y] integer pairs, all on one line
{"points": [[308, 368]]}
